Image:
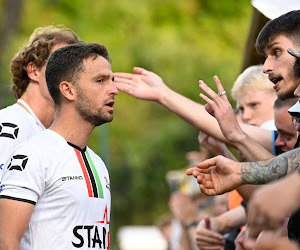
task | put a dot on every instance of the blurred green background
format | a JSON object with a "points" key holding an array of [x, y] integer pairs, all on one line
{"points": [[180, 40]]}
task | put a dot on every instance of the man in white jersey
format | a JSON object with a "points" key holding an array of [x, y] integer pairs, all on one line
{"points": [[55, 191], [34, 109]]}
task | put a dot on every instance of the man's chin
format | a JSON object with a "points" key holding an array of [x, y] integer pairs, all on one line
{"points": [[283, 95], [102, 121]]}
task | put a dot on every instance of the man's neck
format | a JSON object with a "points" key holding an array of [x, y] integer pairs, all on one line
{"points": [[41, 107], [72, 128]]}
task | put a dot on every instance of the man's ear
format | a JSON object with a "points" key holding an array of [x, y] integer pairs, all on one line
{"points": [[33, 72], [67, 90]]}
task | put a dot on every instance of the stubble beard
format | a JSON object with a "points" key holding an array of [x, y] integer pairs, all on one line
{"points": [[288, 92], [89, 113]]}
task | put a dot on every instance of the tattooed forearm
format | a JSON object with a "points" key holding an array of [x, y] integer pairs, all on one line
{"points": [[261, 172]]}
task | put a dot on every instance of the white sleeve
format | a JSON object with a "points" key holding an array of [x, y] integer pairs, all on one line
{"points": [[23, 176]]}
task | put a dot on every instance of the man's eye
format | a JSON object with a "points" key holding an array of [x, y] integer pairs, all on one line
{"points": [[100, 80], [277, 52]]}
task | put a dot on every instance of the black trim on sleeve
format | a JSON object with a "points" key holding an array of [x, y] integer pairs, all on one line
{"points": [[17, 199]]}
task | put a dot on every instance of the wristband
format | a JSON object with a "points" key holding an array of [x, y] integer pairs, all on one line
{"points": [[191, 224]]}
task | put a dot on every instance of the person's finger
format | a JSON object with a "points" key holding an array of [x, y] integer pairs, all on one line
{"points": [[203, 189], [123, 81], [220, 87], [209, 240], [206, 99], [123, 75], [139, 70], [199, 176], [206, 177], [207, 163], [209, 109], [206, 171], [206, 239], [207, 191], [190, 171], [208, 184], [207, 222], [211, 237], [211, 247], [124, 87], [204, 87], [214, 96]]}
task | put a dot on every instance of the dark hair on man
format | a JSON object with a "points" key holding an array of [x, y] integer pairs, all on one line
{"points": [[279, 103], [37, 51], [287, 25], [66, 64]]}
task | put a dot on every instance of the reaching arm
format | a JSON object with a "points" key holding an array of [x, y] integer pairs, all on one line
{"points": [[229, 220], [219, 107], [219, 148], [262, 172], [219, 174], [14, 219], [148, 86]]}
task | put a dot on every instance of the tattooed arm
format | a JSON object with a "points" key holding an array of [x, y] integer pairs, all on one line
{"points": [[262, 172], [219, 175]]}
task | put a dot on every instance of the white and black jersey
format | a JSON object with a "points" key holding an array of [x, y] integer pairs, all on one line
{"points": [[69, 188], [16, 126]]}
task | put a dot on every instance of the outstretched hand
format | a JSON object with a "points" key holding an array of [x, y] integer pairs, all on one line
{"points": [[217, 175], [143, 84], [219, 107]]}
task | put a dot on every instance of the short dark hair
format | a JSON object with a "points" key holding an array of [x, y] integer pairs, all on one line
{"points": [[66, 63], [289, 102], [287, 25]]}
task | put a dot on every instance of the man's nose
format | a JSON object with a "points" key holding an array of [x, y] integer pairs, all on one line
{"points": [[268, 66]]}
